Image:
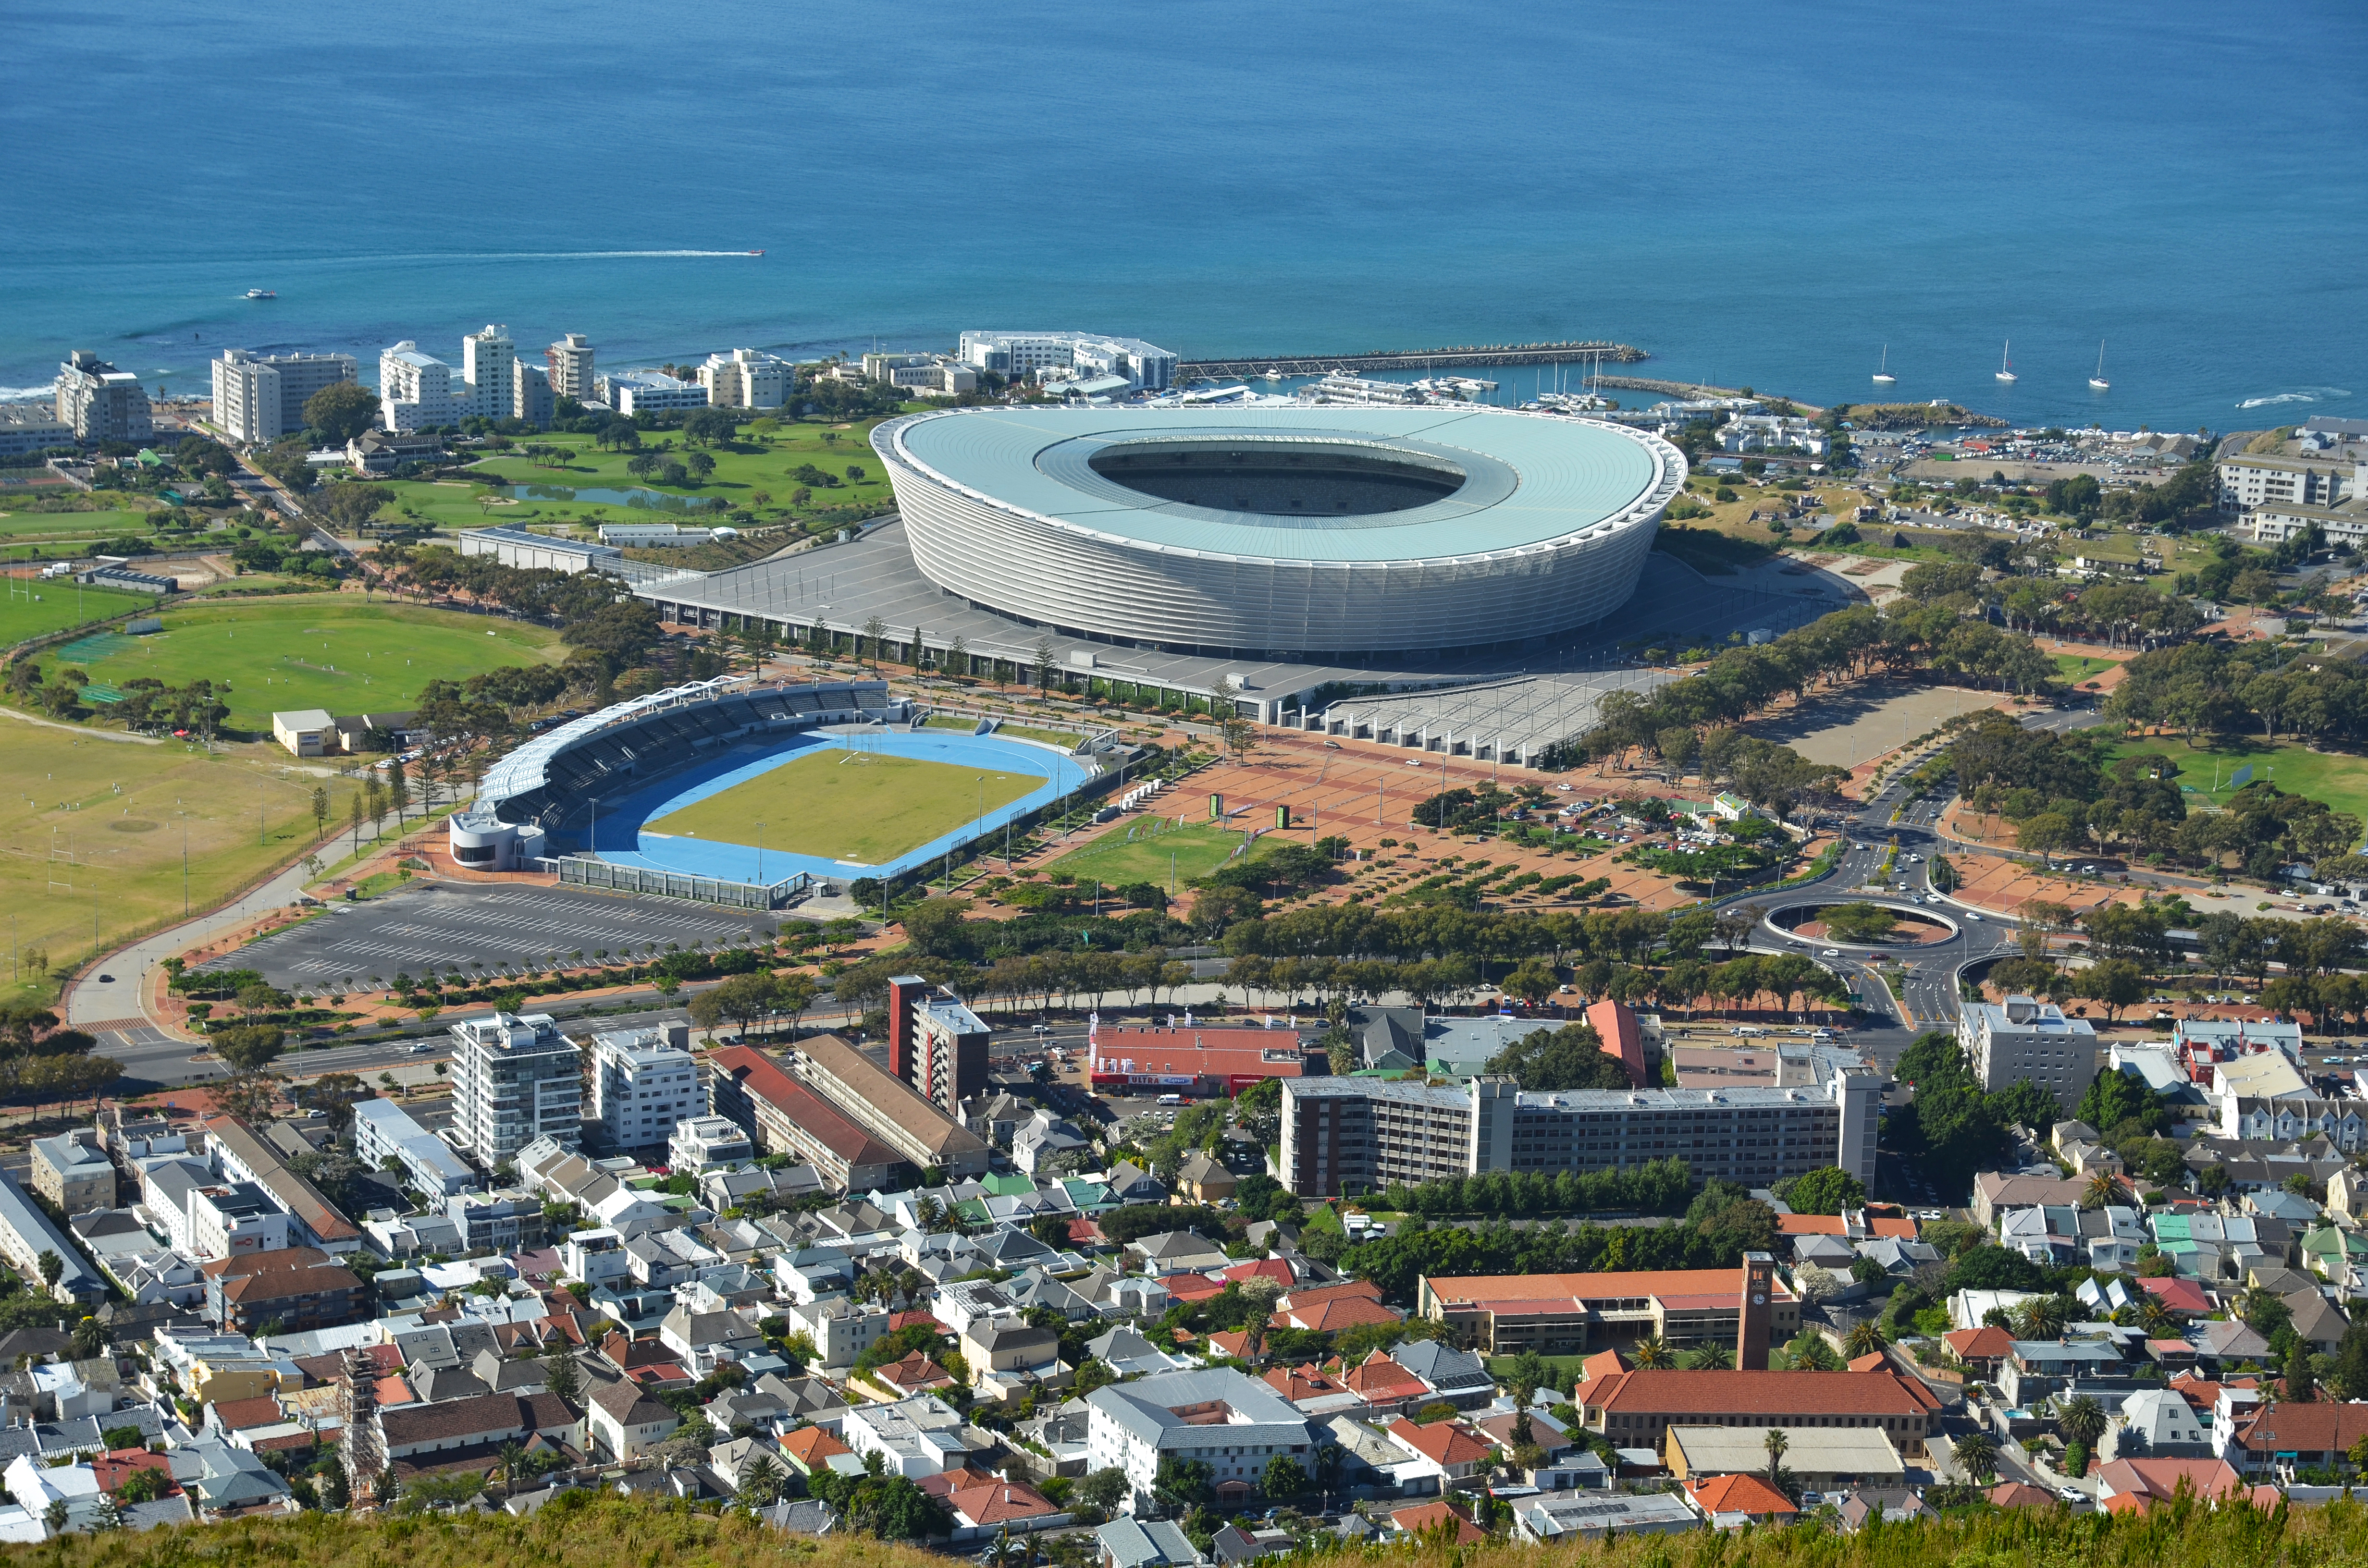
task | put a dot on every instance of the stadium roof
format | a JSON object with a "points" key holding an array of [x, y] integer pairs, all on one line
{"points": [[1529, 479]]}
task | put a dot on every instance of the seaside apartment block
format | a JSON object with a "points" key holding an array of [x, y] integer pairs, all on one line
{"points": [[2279, 497], [260, 398], [1349, 1135], [747, 378], [99, 403], [418, 390], [1069, 356], [568, 366]]}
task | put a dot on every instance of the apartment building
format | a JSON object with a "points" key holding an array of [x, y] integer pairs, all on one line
{"points": [[644, 1082], [233, 1218], [782, 1115], [261, 397], [27, 428], [72, 1170], [27, 1235], [646, 392], [747, 378], [935, 1043], [100, 403], [237, 1154], [2259, 479], [1577, 1314], [1226, 1420], [418, 390], [515, 1079], [703, 1142], [1362, 1135], [890, 1109], [383, 1130], [295, 1287], [568, 367], [2022, 1038], [1023, 356]]}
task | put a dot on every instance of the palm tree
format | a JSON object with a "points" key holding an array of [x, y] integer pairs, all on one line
{"points": [[2081, 1420], [1978, 1456], [1865, 1338], [2042, 1318], [2102, 1191], [1715, 1357], [1652, 1355], [1776, 1442], [2154, 1317]]}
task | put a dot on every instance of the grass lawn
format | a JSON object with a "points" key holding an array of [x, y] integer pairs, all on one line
{"points": [[751, 467], [33, 607], [843, 805], [2341, 781], [334, 651], [1560, 1370], [23, 526], [92, 824], [2079, 666], [1193, 850]]}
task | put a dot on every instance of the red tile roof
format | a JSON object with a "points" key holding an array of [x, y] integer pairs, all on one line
{"points": [[2017, 1494], [813, 1446], [1877, 1225], [759, 1075], [1272, 1268], [2179, 1295], [913, 1374], [1988, 1343], [1314, 1295], [1511, 1294], [1616, 1027], [999, 1501], [2130, 1486], [2315, 1427], [238, 1415], [119, 1465], [1602, 1363], [1201, 1052], [1378, 1378], [1192, 1287], [1739, 1495], [1427, 1517], [1303, 1382], [1686, 1393], [1348, 1311], [1443, 1442]]}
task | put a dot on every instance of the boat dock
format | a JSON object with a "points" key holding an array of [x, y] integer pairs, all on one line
{"points": [[1417, 360]]}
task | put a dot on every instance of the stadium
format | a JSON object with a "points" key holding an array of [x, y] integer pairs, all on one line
{"points": [[730, 792], [1296, 533]]}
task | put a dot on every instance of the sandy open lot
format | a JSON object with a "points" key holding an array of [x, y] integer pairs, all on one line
{"points": [[1871, 718]]}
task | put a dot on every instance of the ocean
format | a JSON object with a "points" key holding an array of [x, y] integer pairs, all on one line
{"points": [[1767, 195]]}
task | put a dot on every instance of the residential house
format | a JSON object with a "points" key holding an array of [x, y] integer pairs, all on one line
{"points": [[1202, 1178], [1010, 1357], [1177, 1252], [1454, 1376], [1592, 1516], [913, 1437], [71, 1171], [1452, 1449], [621, 1421], [2162, 1423], [1893, 1505], [2135, 1486], [2280, 1438], [1995, 1192], [993, 1507], [1443, 1521], [1731, 1501], [1145, 1543]]}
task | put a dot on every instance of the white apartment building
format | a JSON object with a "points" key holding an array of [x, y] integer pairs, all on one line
{"points": [[637, 391], [383, 1130], [2264, 478], [418, 390], [1769, 432], [1072, 356], [746, 379], [702, 1142], [514, 1080], [2023, 1038], [260, 398], [644, 1082], [841, 1328], [569, 367], [233, 1218], [99, 403], [1224, 1419], [29, 427]]}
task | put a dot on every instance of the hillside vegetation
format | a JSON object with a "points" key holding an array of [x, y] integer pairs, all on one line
{"points": [[633, 1534]]}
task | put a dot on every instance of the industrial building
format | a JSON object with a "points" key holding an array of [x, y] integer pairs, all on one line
{"points": [[1193, 1059], [1325, 532], [1347, 1135]]}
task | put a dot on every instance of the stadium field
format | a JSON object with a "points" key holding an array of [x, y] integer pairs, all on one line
{"points": [[1151, 855], [843, 805]]}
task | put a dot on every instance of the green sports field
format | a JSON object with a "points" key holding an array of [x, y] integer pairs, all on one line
{"points": [[2340, 781], [1114, 859], [333, 651], [33, 607], [2079, 666], [844, 805]]}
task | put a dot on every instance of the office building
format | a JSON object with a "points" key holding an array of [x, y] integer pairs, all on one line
{"points": [[644, 1082], [569, 367], [260, 398], [1362, 1135], [383, 1130], [935, 1043], [1069, 356], [514, 1080], [27, 428], [99, 403], [1579, 1314], [2022, 1038], [649, 391], [747, 379], [890, 1109]]}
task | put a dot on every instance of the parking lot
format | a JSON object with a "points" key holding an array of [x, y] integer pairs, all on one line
{"points": [[498, 930]]}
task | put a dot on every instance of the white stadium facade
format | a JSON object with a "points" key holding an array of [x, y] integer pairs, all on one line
{"points": [[1301, 533]]}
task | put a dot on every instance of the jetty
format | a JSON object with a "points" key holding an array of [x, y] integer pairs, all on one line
{"points": [[1463, 356]]}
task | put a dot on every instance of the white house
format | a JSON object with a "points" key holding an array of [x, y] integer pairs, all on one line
{"points": [[622, 1421], [913, 1437], [1226, 1419]]}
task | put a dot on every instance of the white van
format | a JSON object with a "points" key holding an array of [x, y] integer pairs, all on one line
{"points": [[1750, 1031], [1170, 1099]]}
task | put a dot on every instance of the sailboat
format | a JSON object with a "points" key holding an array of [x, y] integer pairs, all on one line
{"points": [[2005, 370], [1882, 376], [2098, 380]]}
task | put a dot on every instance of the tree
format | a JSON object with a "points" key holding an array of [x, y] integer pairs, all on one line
{"points": [[1865, 1338], [2301, 1387], [1976, 1454], [1105, 1489], [1776, 1442], [341, 411], [1284, 1477], [2116, 983], [1652, 1354], [2081, 1420], [53, 1267], [1183, 1483], [248, 1049], [1828, 1189], [559, 1370], [2102, 1191], [1571, 1057], [320, 809]]}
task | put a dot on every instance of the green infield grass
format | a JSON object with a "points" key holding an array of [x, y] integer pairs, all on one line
{"points": [[2078, 667], [2206, 770], [1146, 851], [333, 651], [846, 806], [34, 608], [23, 526]]}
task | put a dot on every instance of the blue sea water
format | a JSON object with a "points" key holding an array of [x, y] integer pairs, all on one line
{"points": [[1761, 194]]}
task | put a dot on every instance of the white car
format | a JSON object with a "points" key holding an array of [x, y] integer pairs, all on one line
{"points": [[1830, 953], [1971, 915]]}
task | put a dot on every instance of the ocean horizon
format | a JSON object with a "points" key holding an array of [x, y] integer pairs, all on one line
{"points": [[1754, 195]]}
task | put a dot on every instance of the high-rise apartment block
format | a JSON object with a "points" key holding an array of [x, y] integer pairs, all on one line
{"points": [[262, 397], [644, 1082], [515, 1079], [99, 403], [418, 390], [746, 379], [569, 363], [935, 1043]]}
